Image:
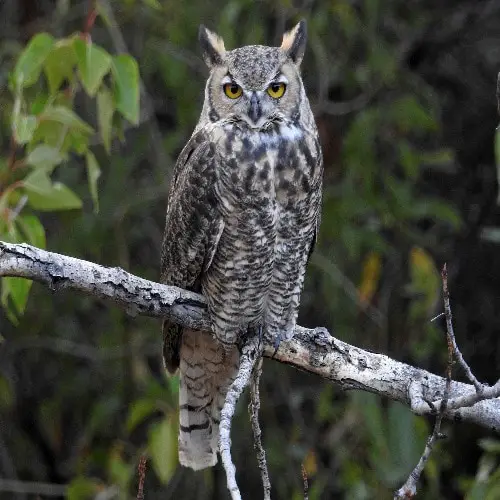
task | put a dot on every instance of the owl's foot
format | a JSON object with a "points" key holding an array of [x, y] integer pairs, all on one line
{"points": [[252, 332]]}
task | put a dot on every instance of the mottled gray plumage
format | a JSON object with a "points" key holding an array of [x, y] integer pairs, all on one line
{"points": [[241, 222]]}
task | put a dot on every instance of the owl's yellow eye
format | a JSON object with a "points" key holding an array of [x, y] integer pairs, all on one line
{"points": [[276, 90], [232, 90]]}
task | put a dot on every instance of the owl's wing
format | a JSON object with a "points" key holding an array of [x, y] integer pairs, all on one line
{"points": [[317, 206], [192, 229]]}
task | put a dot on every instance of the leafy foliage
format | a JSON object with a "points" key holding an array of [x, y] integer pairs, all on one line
{"points": [[46, 130]]}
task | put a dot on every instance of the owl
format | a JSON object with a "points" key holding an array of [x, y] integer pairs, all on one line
{"points": [[242, 219]]}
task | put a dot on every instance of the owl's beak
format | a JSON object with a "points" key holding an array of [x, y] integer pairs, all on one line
{"points": [[255, 111]]}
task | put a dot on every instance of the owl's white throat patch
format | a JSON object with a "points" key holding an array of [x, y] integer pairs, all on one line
{"points": [[289, 133]]}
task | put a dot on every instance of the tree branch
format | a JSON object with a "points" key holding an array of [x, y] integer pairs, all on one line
{"points": [[409, 488], [251, 353], [32, 488], [311, 350], [253, 410]]}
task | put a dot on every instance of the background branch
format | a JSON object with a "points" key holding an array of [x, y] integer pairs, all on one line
{"points": [[311, 350]]}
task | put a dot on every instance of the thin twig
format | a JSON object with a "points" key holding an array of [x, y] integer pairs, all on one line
{"points": [[253, 409], [409, 489], [436, 317], [90, 19], [141, 469], [469, 400], [250, 353], [451, 334], [32, 488], [306, 482], [17, 209]]}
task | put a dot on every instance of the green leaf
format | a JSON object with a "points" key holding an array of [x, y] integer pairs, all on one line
{"points": [[438, 158], [93, 64], [154, 4], [119, 471], [126, 76], [38, 181], [23, 128], [19, 289], [31, 60], [409, 159], [140, 410], [409, 115], [59, 64], [11, 233], [47, 196], [60, 198], [437, 210], [67, 117], [163, 448], [33, 229], [173, 385], [6, 393], [82, 488], [93, 174], [9, 310], [105, 111], [45, 157], [39, 103]]}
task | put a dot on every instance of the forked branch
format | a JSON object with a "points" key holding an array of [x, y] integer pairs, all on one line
{"points": [[312, 350]]}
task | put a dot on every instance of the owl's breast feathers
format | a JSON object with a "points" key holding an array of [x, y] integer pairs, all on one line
{"points": [[241, 221], [282, 164]]}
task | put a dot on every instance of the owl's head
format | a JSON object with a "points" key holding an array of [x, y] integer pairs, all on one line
{"points": [[256, 85]]}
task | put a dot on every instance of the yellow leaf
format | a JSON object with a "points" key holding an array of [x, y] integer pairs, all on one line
{"points": [[370, 276], [310, 463]]}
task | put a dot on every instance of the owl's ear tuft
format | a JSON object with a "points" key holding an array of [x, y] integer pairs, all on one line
{"points": [[212, 46], [294, 42]]}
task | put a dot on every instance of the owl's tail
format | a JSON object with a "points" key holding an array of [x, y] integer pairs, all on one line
{"points": [[206, 372]]}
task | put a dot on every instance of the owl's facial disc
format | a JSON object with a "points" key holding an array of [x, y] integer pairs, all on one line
{"points": [[257, 107]]}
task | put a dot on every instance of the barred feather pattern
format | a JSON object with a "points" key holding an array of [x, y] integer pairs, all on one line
{"points": [[242, 219], [269, 195], [206, 371]]}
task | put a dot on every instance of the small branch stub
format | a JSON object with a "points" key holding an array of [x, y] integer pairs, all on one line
{"points": [[141, 469], [305, 482]]}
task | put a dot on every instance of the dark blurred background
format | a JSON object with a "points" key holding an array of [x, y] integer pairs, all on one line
{"points": [[404, 97]]}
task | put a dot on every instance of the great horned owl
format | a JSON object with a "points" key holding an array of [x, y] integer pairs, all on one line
{"points": [[241, 222]]}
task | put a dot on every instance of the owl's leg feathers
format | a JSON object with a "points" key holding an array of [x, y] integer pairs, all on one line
{"points": [[206, 371], [250, 354]]}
